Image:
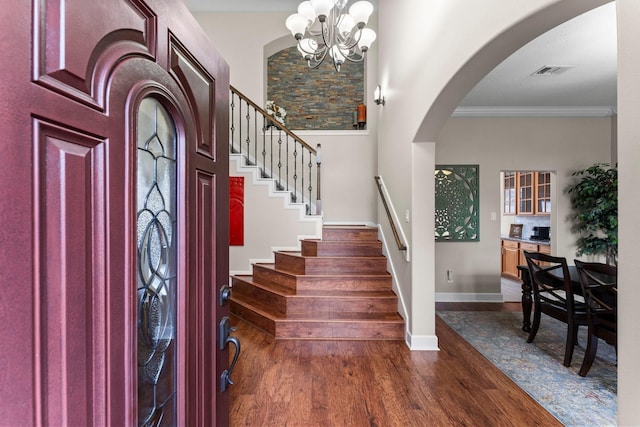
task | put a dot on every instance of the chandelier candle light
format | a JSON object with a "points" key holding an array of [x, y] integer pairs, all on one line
{"points": [[322, 28]]}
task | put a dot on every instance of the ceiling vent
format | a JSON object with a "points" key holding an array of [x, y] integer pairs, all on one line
{"points": [[551, 70]]}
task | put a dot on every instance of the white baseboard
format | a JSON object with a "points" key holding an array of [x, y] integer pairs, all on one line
{"points": [[422, 342], [468, 297]]}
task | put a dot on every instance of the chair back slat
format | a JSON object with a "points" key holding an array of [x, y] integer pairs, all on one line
{"points": [[599, 283], [599, 286]]}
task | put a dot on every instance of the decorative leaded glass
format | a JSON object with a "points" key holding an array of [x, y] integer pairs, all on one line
{"points": [[457, 203], [156, 284]]}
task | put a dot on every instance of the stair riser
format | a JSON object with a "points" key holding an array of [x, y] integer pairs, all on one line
{"points": [[340, 330], [320, 305], [256, 319], [344, 283], [270, 276], [322, 283], [349, 234], [281, 305], [274, 303], [298, 265], [356, 249]]}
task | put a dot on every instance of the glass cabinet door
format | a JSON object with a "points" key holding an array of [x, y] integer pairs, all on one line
{"points": [[509, 180], [525, 193], [543, 193]]}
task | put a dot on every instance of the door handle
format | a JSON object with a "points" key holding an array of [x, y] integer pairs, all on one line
{"points": [[225, 377], [224, 338]]}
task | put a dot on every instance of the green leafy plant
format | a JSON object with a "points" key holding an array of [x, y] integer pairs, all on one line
{"points": [[594, 200]]}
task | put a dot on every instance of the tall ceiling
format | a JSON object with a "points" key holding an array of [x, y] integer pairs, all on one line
{"points": [[583, 48]]}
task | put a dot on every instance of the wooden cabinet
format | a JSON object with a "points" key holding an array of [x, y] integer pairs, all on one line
{"points": [[510, 258], [526, 193], [512, 255], [529, 247]]}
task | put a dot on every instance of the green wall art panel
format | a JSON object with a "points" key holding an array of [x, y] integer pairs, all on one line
{"points": [[457, 203]]}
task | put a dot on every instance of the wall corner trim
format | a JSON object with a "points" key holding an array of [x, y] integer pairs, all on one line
{"points": [[422, 342]]}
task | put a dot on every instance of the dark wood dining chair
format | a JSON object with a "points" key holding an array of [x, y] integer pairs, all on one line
{"points": [[554, 294], [600, 289]]}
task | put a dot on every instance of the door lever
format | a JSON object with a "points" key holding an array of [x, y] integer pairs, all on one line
{"points": [[224, 338], [225, 377]]}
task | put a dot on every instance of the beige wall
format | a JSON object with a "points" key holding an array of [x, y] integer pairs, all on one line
{"points": [[426, 67], [560, 145], [628, 151]]}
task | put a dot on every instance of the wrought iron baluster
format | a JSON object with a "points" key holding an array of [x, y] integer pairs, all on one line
{"points": [[240, 127], [280, 187], [233, 126], [302, 173], [310, 183], [264, 156], [255, 139], [287, 163], [248, 140], [271, 155], [295, 171]]}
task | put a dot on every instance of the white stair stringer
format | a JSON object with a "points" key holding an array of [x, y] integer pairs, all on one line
{"points": [[272, 222]]}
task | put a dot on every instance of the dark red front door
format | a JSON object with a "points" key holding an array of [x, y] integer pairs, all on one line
{"points": [[113, 215]]}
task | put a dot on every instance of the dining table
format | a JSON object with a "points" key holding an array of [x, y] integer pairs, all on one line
{"points": [[527, 291]]}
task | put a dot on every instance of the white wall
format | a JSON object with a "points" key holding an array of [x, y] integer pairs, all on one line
{"points": [[560, 145], [271, 222], [349, 162], [628, 151]]}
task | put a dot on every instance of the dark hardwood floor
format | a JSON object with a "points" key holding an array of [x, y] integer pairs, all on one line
{"points": [[375, 383]]}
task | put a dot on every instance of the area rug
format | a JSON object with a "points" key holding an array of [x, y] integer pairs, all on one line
{"points": [[537, 367]]}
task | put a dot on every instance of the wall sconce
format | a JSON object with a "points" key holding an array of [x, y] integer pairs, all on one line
{"points": [[377, 96]]}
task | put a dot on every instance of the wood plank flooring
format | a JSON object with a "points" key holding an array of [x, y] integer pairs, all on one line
{"points": [[375, 383]]}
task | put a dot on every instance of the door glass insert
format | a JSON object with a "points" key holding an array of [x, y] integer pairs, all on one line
{"points": [[157, 278]]}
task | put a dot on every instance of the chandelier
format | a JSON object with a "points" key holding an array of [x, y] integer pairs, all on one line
{"points": [[322, 28]]}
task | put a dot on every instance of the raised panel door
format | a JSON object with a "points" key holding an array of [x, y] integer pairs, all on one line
{"points": [[85, 279], [510, 258]]}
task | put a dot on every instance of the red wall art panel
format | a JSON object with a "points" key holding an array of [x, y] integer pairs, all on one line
{"points": [[236, 210]]}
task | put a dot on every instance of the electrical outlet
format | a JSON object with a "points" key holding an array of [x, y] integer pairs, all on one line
{"points": [[406, 216], [449, 276]]}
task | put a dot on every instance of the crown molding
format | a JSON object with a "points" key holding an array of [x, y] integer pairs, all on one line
{"points": [[604, 111]]}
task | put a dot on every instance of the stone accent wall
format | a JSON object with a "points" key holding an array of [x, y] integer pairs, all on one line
{"points": [[318, 98]]}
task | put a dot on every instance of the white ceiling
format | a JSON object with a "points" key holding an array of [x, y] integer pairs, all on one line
{"points": [[586, 44]]}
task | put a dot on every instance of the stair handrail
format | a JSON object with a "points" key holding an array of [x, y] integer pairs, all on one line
{"points": [[268, 171], [394, 229], [268, 117]]}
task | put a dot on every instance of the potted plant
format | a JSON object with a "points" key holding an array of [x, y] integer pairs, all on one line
{"points": [[594, 200]]}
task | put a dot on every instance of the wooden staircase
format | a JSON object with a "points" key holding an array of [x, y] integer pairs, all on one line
{"points": [[335, 288]]}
